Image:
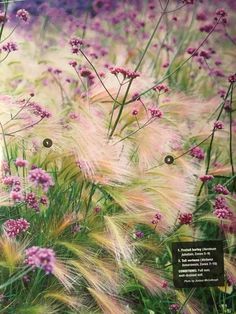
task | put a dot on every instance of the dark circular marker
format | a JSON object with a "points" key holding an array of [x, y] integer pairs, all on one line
{"points": [[47, 142], [169, 159]]}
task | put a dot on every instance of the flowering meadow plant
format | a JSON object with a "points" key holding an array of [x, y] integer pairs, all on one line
{"points": [[117, 132]]}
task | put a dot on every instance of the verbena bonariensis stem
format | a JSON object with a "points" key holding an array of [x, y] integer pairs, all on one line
{"points": [[212, 138], [98, 76], [180, 66], [136, 69]]}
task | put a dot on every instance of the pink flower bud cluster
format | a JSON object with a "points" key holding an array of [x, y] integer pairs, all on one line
{"points": [[221, 209], [14, 227], [42, 258], [127, 74]]}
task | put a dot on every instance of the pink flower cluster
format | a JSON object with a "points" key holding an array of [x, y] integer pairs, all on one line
{"points": [[76, 44], [5, 167], [23, 15], [220, 189], [139, 234], [40, 178], [206, 177], [42, 258], [197, 152], [127, 74], [218, 125], [156, 218], [161, 88], [15, 184], [21, 162], [174, 307], [11, 180], [38, 110], [33, 202], [191, 51], [185, 219], [232, 78], [155, 112], [14, 227], [221, 208], [9, 47]]}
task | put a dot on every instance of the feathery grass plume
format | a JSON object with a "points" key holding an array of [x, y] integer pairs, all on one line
{"points": [[147, 277], [172, 191], [57, 227], [193, 306], [109, 304], [96, 278], [12, 252], [99, 271], [152, 143], [65, 275], [132, 198], [97, 159], [61, 297], [119, 238]]}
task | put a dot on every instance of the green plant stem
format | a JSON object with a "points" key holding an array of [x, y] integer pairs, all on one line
{"points": [[113, 107], [212, 139], [136, 69], [180, 66], [186, 300], [98, 76], [6, 149], [5, 16], [231, 133]]}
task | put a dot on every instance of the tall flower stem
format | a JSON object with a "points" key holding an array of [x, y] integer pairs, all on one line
{"points": [[180, 66], [136, 69], [212, 139], [6, 149]]}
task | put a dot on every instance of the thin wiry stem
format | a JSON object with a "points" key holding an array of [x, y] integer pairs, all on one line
{"points": [[134, 132], [9, 35], [19, 111], [180, 66], [231, 135], [98, 76], [6, 149], [136, 69], [211, 142], [186, 300]]}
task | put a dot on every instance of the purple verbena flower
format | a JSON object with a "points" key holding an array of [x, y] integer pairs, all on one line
{"points": [[14, 227], [206, 177], [40, 178], [220, 189], [38, 110], [42, 258], [9, 47], [21, 162], [23, 15], [218, 125], [155, 112], [185, 219], [31, 201], [174, 307], [197, 152], [16, 196]]}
